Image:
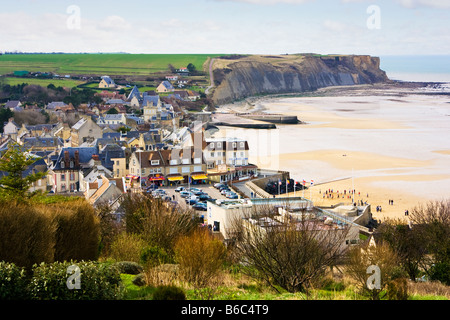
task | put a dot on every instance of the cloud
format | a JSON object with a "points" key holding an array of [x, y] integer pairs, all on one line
{"points": [[269, 2], [440, 4]]}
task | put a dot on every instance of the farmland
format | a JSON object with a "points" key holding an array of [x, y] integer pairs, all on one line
{"points": [[99, 64], [67, 83]]}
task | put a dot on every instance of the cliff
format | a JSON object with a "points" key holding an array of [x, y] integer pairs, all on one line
{"points": [[237, 77]]}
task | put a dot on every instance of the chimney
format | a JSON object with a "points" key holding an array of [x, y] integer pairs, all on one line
{"points": [[66, 159], [77, 158]]}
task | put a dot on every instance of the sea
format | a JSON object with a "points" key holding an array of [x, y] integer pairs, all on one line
{"points": [[432, 68], [422, 135]]}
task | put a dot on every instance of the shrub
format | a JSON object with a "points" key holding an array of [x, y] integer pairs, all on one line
{"points": [[169, 293], [73, 219], [97, 282], [127, 247], [441, 272], [397, 289], [200, 257], [13, 282], [129, 267], [27, 234], [154, 256]]}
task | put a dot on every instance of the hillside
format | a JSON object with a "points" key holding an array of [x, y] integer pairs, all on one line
{"points": [[242, 76]]}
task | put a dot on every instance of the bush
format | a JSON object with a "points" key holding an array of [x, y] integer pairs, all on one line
{"points": [[74, 219], [155, 256], [441, 272], [97, 282], [13, 282], [129, 267], [397, 289], [127, 247], [200, 257], [169, 293], [27, 234]]}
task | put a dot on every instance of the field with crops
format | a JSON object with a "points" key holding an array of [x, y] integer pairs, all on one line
{"points": [[99, 64]]}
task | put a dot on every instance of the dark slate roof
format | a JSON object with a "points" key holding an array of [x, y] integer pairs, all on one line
{"points": [[12, 104], [134, 93], [109, 152], [42, 142], [85, 155], [111, 135], [152, 100]]}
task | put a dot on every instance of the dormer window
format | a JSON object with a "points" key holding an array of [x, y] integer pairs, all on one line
{"points": [[155, 162], [62, 164], [71, 164], [234, 144], [219, 144], [242, 144], [211, 145]]}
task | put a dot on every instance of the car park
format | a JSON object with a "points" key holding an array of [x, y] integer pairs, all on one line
{"points": [[179, 189], [191, 201]]}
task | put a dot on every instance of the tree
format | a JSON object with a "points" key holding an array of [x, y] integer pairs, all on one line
{"points": [[408, 243], [380, 256], [5, 115], [112, 111], [434, 221], [14, 163], [292, 254]]}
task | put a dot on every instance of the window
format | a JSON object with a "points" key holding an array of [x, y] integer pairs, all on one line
{"points": [[185, 161], [71, 163], [62, 164], [72, 176], [173, 170], [63, 177], [173, 162], [197, 160], [234, 144], [219, 144], [143, 170], [118, 172], [155, 162], [211, 145], [212, 154], [72, 187], [242, 144], [117, 162], [223, 154], [63, 187], [242, 154], [197, 168], [185, 169]]}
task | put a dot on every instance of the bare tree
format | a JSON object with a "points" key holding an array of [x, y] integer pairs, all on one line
{"points": [[285, 251]]}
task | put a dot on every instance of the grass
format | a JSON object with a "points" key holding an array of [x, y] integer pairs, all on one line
{"points": [[99, 64], [68, 83], [237, 287]]}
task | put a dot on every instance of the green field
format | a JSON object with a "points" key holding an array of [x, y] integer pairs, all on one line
{"points": [[67, 83], [99, 64]]}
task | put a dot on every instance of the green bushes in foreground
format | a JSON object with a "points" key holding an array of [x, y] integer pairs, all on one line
{"points": [[83, 280]]}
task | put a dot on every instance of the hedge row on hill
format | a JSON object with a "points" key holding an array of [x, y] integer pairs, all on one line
{"points": [[36, 233], [57, 281]]}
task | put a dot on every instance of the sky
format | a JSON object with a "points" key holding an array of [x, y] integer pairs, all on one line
{"points": [[375, 27]]}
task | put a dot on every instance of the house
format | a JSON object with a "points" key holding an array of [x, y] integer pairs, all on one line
{"points": [[227, 159], [11, 129], [103, 191], [119, 118], [85, 130], [172, 77], [151, 106], [67, 167], [55, 104], [43, 143], [114, 158], [135, 93], [107, 82], [13, 105], [221, 214], [165, 86], [184, 72], [169, 167], [193, 95]]}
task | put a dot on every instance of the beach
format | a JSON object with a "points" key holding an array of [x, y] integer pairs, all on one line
{"points": [[387, 145]]}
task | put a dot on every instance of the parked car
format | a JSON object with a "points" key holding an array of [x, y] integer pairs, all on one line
{"points": [[224, 191], [179, 189], [185, 194], [231, 195], [196, 191], [203, 197], [200, 206], [191, 201], [223, 187], [218, 185]]}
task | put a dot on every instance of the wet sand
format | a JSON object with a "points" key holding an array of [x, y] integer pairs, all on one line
{"points": [[389, 147]]}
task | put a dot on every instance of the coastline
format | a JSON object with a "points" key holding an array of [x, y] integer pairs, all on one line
{"points": [[407, 176]]}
